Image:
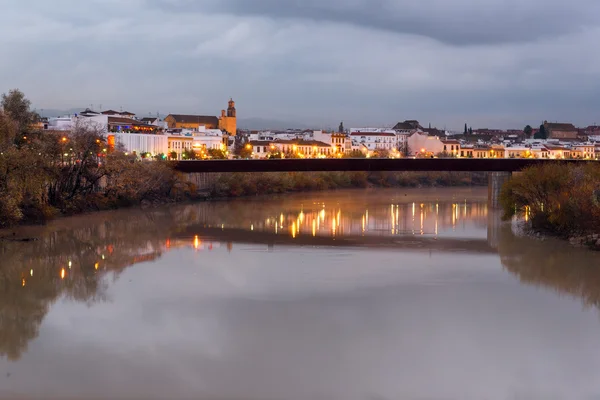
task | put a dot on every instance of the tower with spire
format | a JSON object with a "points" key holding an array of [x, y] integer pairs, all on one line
{"points": [[228, 119]]}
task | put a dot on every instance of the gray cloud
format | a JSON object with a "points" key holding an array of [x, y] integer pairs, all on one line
{"points": [[490, 63], [460, 22]]}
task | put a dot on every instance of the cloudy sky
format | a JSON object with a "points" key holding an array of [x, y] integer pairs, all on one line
{"points": [[501, 63]]}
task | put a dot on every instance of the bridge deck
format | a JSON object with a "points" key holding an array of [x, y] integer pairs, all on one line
{"points": [[365, 164]]}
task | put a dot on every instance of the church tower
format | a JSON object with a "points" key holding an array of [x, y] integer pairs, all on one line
{"points": [[228, 119], [231, 108]]}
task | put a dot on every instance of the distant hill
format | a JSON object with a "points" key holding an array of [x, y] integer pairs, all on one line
{"points": [[263, 124]]}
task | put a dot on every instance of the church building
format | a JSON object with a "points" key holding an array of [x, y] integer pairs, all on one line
{"points": [[226, 122]]}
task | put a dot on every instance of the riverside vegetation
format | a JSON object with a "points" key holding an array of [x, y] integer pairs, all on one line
{"points": [[561, 199], [45, 174]]}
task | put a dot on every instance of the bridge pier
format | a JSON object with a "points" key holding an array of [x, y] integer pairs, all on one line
{"points": [[495, 182]]}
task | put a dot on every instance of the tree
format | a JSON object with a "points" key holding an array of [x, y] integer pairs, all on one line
{"points": [[173, 155], [188, 154], [355, 154], [381, 153], [466, 132], [217, 154], [17, 106], [470, 131], [341, 127], [275, 154], [541, 134], [528, 130]]}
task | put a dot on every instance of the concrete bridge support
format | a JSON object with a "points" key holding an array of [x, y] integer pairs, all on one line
{"points": [[495, 182], [202, 180]]}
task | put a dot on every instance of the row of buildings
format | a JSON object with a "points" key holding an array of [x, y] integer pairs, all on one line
{"points": [[409, 139], [178, 134], [172, 136]]}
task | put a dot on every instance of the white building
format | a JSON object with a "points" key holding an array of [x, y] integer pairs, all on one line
{"points": [[142, 143], [61, 123], [338, 141], [371, 141], [208, 139]]}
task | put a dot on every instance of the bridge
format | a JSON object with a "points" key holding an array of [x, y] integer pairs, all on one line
{"points": [[500, 168], [366, 164]]}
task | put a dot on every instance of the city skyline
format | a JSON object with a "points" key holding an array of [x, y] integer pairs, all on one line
{"points": [[367, 63]]}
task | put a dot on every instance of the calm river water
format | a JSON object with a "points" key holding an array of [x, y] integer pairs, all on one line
{"points": [[374, 294]]}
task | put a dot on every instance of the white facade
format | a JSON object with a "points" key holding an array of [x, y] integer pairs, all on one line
{"points": [[61, 123], [142, 143], [374, 140]]}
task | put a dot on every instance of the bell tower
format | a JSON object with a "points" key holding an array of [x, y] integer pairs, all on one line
{"points": [[228, 119], [231, 108]]}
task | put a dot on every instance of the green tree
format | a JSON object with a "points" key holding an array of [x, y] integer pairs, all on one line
{"points": [[217, 154], [355, 154], [541, 134], [528, 130], [470, 131], [17, 106], [466, 132], [188, 154]]}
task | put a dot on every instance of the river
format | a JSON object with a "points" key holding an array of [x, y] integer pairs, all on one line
{"points": [[363, 294]]}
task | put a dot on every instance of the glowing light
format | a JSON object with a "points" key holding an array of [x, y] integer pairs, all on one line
{"points": [[31, 272], [251, 227], [281, 220], [64, 139], [70, 264], [294, 230], [103, 256], [96, 266], [196, 242], [23, 282], [62, 273]]}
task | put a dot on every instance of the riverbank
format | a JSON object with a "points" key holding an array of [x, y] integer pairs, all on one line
{"points": [[559, 200], [252, 184], [151, 184]]}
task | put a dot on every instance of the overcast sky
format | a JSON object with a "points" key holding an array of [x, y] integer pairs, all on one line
{"points": [[491, 63]]}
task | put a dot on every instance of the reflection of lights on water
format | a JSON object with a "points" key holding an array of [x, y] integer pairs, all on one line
{"points": [[314, 227], [62, 273], [281, 220], [333, 225], [301, 216], [363, 224], [251, 227], [413, 210], [31, 272], [96, 266], [196, 242], [103, 256], [23, 282], [70, 264], [322, 215], [293, 230]]}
